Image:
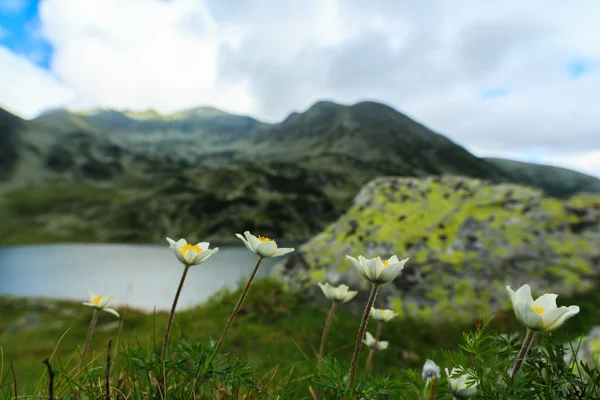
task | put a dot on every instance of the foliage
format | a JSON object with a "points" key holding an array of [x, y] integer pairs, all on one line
{"points": [[241, 373]]}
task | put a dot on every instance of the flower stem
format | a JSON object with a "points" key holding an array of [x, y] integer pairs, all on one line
{"points": [[235, 310], [369, 363], [522, 353], [361, 333], [325, 332], [88, 337], [433, 381], [163, 352]]}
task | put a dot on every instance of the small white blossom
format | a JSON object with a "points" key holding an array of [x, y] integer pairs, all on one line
{"points": [[191, 254], [430, 370], [376, 270], [541, 314], [382, 315], [378, 345], [263, 246], [101, 303], [459, 386], [340, 294]]}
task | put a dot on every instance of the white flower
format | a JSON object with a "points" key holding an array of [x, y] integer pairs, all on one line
{"points": [[379, 314], [430, 370], [263, 246], [377, 271], [370, 341], [338, 294], [541, 314], [191, 254], [459, 386], [101, 303]]}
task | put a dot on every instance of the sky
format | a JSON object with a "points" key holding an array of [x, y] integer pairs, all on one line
{"points": [[515, 79]]}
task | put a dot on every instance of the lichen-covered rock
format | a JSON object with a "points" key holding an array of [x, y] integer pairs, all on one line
{"points": [[466, 240]]}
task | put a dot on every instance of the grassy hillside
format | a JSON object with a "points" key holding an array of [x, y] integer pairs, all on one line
{"points": [[555, 181]]}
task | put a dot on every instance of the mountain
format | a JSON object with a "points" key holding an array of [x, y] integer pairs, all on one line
{"points": [[465, 239], [130, 176], [9, 130], [556, 181]]}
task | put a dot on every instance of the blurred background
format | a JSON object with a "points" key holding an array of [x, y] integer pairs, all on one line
{"points": [[465, 136]]}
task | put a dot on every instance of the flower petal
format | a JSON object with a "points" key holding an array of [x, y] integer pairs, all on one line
{"points": [[390, 273], [266, 249], [512, 295], [283, 251], [529, 318], [253, 240], [571, 311], [524, 294], [546, 301], [247, 243], [112, 311], [189, 255], [203, 245]]}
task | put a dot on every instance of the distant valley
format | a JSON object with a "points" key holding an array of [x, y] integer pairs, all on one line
{"points": [[112, 176]]}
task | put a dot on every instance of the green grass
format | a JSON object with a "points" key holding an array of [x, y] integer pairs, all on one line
{"points": [[275, 331]]}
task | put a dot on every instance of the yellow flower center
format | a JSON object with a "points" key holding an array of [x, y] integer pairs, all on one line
{"points": [[537, 309], [384, 312], [96, 300], [189, 246], [266, 239], [385, 262]]}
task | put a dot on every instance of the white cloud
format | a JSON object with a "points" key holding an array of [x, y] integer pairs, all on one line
{"points": [[27, 89], [584, 161], [429, 59]]}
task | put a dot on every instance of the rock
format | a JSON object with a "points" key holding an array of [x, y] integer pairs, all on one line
{"points": [[466, 240], [589, 349]]}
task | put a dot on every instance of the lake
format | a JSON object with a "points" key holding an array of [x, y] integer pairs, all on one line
{"points": [[141, 276]]}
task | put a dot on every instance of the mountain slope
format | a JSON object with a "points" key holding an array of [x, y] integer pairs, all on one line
{"points": [[9, 130], [375, 134], [555, 181], [107, 175]]}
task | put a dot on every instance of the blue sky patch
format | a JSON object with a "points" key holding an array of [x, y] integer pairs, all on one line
{"points": [[19, 31], [578, 68], [493, 93]]}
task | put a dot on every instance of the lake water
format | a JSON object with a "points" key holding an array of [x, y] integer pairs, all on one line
{"points": [[141, 276]]}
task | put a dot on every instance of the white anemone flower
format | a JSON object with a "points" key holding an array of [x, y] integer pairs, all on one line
{"points": [[430, 370], [263, 246], [539, 315], [376, 270], [191, 254], [382, 315], [459, 386], [340, 294], [101, 303], [378, 345]]}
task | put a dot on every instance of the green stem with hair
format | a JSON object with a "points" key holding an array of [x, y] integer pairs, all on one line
{"points": [[523, 353], [361, 334], [235, 310], [324, 336]]}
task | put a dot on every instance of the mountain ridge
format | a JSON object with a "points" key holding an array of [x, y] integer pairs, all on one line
{"points": [[209, 172]]}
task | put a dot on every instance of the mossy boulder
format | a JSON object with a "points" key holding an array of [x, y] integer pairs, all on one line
{"points": [[466, 239]]}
